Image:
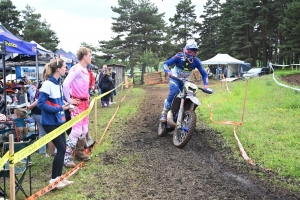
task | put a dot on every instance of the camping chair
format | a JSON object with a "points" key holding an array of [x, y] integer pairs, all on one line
{"points": [[19, 171]]}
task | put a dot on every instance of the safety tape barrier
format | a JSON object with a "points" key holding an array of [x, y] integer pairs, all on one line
{"points": [[4, 159], [55, 183], [283, 85], [224, 80], [236, 124], [76, 168], [111, 120], [17, 157]]}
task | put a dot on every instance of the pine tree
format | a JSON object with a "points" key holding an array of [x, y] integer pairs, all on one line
{"points": [[10, 17], [150, 25], [139, 26], [184, 25], [37, 30], [209, 31], [290, 46]]}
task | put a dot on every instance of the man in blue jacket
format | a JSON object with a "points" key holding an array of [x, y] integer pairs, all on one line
{"points": [[184, 62]]}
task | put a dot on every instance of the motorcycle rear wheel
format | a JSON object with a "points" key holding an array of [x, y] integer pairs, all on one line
{"points": [[183, 134]]}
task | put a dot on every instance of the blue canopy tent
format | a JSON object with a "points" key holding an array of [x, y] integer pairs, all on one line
{"points": [[62, 54], [73, 56], [11, 44]]}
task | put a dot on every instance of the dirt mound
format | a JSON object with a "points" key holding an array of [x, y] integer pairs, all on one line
{"points": [[293, 79], [204, 169]]}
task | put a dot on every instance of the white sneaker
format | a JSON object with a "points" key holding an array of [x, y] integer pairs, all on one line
{"points": [[60, 184], [67, 182]]}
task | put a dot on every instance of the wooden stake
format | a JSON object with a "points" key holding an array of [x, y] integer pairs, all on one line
{"points": [[12, 169], [95, 119], [245, 100]]}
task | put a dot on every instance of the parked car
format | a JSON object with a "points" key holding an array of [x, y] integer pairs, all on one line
{"points": [[254, 72], [266, 70]]}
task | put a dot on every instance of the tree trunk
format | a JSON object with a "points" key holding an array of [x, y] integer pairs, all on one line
{"points": [[143, 72]]}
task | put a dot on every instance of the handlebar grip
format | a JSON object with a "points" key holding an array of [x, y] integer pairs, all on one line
{"points": [[207, 90], [175, 78]]}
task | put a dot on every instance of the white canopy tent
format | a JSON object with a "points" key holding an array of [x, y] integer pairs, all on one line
{"points": [[225, 59], [222, 59], [43, 52]]}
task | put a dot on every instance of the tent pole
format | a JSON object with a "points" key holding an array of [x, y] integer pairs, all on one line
{"points": [[4, 82], [37, 69]]}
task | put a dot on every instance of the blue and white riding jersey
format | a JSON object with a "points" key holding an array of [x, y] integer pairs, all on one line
{"points": [[183, 68]]}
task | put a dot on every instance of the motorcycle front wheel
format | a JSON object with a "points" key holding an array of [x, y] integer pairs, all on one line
{"points": [[183, 134]]}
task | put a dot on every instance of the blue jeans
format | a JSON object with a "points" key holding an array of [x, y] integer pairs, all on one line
{"points": [[42, 132]]}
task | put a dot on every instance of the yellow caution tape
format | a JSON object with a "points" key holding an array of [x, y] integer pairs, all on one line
{"points": [[48, 137], [53, 134], [3, 160]]}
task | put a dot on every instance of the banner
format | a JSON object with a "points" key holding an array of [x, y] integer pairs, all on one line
{"points": [[29, 71]]}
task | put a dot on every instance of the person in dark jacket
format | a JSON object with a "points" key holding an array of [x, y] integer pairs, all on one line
{"points": [[113, 76], [52, 107], [106, 85], [104, 67]]}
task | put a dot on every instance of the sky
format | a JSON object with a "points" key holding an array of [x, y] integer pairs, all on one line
{"points": [[88, 21]]}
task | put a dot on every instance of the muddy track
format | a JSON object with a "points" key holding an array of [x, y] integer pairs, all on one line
{"points": [[204, 169]]}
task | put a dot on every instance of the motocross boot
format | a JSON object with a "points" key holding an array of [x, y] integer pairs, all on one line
{"points": [[163, 117], [68, 161], [79, 154]]}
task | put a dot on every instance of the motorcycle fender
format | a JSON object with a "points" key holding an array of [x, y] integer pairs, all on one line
{"points": [[195, 100]]}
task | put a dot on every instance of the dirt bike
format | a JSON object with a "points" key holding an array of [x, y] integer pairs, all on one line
{"points": [[181, 117]]}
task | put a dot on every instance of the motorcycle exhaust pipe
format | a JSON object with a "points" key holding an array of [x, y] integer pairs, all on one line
{"points": [[170, 121]]}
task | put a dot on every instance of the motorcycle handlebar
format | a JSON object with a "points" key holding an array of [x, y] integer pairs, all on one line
{"points": [[205, 90]]}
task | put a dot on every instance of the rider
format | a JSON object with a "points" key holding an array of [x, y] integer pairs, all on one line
{"points": [[184, 64]]}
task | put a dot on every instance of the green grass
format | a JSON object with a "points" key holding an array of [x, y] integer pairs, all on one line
{"points": [[270, 134]]}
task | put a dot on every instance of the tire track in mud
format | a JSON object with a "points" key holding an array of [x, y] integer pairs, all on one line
{"points": [[204, 169]]}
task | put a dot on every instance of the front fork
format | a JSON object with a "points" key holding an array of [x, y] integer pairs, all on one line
{"points": [[180, 112]]}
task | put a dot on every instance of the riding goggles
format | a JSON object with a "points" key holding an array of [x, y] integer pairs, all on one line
{"points": [[191, 53]]}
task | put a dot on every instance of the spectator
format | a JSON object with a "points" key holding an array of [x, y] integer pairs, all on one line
{"points": [[99, 79], [225, 72], [113, 76], [19, 121], [106, 85], [92, 80], [31, 92], [36, 115], [52, 107], [76, 85]]}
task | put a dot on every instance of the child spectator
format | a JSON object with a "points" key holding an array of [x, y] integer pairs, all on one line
{"points": [[20, 125]]}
